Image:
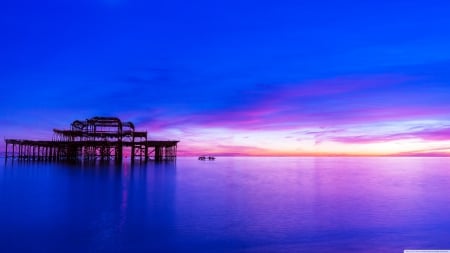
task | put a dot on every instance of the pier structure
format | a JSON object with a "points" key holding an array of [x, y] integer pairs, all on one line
{"points": [[102, 138]]}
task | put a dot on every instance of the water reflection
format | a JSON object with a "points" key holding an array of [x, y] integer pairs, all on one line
{"points": [[229, 205], [97, 206]]}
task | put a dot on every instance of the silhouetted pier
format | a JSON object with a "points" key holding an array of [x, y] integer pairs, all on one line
{"points": [[101, 138]]}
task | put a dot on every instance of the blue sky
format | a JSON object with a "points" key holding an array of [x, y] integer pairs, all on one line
{"points": [[310, 76]]}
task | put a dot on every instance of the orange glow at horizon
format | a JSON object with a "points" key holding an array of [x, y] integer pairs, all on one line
{"points": [[363, 140]]}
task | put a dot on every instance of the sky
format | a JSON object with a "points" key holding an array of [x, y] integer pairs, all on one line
{"points": [[312, 78]]}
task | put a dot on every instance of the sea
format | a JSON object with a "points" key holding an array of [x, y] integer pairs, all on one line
{"points": [[231, 204]]}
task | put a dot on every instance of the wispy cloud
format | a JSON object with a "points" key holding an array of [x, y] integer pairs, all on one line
{"points": [[439, 134]]}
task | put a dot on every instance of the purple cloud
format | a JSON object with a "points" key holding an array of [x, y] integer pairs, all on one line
{"points": [[440, 134]]}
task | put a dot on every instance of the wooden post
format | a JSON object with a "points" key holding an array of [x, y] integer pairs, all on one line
{"points": [[157, 153], [146, 152]]}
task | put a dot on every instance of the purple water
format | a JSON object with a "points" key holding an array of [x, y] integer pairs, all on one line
{"points": [[237, 204]]}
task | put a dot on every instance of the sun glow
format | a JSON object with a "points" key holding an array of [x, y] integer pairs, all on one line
{"points": [[389, 140]]}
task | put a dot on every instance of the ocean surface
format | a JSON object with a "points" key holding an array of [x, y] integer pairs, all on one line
{"points": [[233, 204]]}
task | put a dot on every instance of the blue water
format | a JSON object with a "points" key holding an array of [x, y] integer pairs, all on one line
{"points": [[229, 205]]}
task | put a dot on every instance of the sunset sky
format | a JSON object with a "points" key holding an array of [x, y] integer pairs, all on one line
{"points": [[234, 77]]}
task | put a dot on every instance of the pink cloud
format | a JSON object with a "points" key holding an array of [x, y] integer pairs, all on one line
{"points": [[289, 106], [329, 104], [426, 134], [246, 120], [295, 105]]}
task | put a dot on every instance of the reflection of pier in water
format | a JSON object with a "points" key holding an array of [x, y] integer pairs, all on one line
{"points": [[101, 138]]}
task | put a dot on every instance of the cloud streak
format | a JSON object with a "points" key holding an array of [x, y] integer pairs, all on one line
{"points": [[440, 134], [322, 103]]}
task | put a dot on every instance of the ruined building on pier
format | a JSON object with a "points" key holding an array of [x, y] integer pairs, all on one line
{"points": [[96, 138]]}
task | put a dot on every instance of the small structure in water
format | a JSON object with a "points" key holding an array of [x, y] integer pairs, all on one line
{"points": [[203, 158], [96, 138]]}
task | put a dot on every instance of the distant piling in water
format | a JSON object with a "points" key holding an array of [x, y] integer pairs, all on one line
{"points": [[102, 138]]}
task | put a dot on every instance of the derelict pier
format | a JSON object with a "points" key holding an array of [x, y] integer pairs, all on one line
{"points": [[102, 138]]}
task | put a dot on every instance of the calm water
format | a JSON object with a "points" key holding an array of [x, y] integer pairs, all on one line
{"points": [[227, 205]]}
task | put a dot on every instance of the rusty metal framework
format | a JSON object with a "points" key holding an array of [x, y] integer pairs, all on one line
{"points": [[97, 138]]}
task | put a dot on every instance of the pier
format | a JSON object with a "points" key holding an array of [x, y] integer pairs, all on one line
{"points": [[102, 138]]}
